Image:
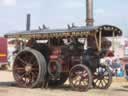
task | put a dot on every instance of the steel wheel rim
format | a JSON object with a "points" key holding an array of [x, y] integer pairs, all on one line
{"points": [[26, 69]]}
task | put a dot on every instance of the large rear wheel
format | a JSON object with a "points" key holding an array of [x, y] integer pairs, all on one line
{"points": [[29, 68]]}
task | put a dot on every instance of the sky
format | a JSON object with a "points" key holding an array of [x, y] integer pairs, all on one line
{"points": [[59, 13]]}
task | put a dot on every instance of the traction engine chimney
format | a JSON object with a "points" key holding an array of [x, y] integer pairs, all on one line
{"points": [[28, 22], [89, 13]]}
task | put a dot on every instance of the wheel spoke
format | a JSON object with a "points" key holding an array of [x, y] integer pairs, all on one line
{"points": [[23, 62], [85, 74], [34, 69], [19, 68], [102, 84], [34, 64], [31, 59], [85, 83], [99, 83], [34, 75], [21, 76], [104, 81], [27, 80], [96, 81], [76, 82], [74, 78], [80, 83], [106, 78]]}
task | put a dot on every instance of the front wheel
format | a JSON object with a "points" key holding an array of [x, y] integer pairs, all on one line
{"points": [[102, 78], [80, 78]]}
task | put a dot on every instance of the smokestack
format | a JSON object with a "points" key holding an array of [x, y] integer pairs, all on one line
{"points": [[28, 22], [89, 13]]}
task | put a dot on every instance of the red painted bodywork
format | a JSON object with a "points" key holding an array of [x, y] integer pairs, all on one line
{"points": [[66, 61], [3, 51], [56, 56], [56, 52]]}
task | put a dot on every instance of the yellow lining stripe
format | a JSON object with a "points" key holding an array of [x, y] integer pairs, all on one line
{"points": [[3, 55]]}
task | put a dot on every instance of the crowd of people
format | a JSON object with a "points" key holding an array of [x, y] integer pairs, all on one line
{"points": [[115, 66]]}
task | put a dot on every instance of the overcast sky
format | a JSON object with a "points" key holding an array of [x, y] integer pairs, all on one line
{"points": [[59, 13]]}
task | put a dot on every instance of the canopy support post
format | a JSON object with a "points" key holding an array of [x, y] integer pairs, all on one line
{"points": [[113, 41], [99, 47]]}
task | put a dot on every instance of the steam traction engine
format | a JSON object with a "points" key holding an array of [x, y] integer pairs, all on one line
{"points": [[52, 56]]}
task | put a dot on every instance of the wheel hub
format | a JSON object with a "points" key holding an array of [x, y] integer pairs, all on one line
{"points": [[100, 76], [28, 68]]}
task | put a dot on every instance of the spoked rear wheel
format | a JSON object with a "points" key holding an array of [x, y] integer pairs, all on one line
{"points": [[80, 78], [29, 68], [102, 78]]}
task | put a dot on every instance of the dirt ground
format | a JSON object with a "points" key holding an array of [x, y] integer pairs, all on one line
{"points": [[9, 88]]}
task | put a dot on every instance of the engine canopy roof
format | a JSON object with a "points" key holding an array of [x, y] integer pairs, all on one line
{"points": [[82, 31]]}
